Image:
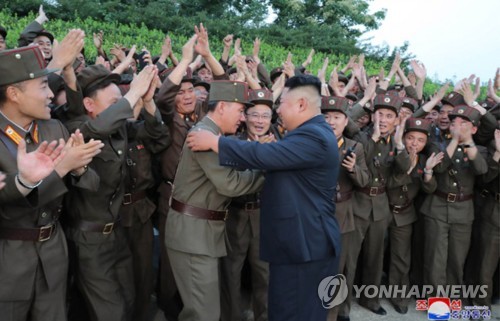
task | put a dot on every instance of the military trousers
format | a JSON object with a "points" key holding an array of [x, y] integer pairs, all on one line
{"points": [[400, 239], [368, 239], [243, 245], [104, 274], [344, 252], [44, 305], [446, 248], [197, 278]]}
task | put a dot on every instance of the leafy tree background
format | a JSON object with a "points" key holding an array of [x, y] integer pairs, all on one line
{"points": [[332, 27]]}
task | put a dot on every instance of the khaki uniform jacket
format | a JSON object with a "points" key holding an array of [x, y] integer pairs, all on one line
{"points": [[203, 183], [112, 127], [464, 172], [381, 159], [347, 182], [412, 183], [41, 207], [491, 181]]}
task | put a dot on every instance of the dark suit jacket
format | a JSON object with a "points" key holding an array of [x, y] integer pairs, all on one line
{"points": [[297, 223]]}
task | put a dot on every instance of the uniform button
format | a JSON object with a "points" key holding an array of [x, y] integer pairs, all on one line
{"points": [[376, 179], [379, 154], [110, 203], [44, 215], [459, 149], [401, 196], [458, 161], [119, 152], [454, 184]]}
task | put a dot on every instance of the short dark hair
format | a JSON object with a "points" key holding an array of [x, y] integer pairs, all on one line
{"points": [[3, 91], [303, 81], [92, 91]]}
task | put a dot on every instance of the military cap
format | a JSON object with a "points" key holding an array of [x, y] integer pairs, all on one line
{"points": [[275, 73], [352, 97], [343, 78], [454, 99], [3, 32], [46, 34], [22, 64], [333, 103], [395, 87], [410, 103], [92, 77], [56, 83], [387, 101], [231, 71], [198, 82], [419, 125], [261, 96], [231, 91], [368, 107], [488, 104], [467, 113]]}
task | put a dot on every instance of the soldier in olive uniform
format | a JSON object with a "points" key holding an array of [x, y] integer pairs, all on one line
{"points": [[136, 211], [449, 212], [352, 173], [180, 110], [103, 262], [403, 187], [384, 152], [488, 255], [34, 267], [195, 227], [243, 230]]}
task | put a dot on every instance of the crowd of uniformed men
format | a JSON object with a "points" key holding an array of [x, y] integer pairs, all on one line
{"points": [[417, 198]]}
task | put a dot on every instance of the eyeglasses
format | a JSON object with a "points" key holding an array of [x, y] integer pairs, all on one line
{"points": [[255, 116]]}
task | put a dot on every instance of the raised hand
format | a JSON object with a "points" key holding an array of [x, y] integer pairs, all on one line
{"points": [[491, 92], [228, 41], [65, 53], [202, 45], [78, 154], [35, 166], [42, 17], [97, 37], [309, 59], [418, 69], [202, 140], [256, 50], [434, 160], [322, 71]]}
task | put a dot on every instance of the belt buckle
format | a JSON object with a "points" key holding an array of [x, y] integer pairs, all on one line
{"points": [[226, 214], [127, 199], [396, 209], [41, 235], [451, 198], [373, 191], [484, 193], [108, 228], [250, 206]]}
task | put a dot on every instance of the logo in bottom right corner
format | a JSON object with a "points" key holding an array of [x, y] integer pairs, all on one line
{"points": [[439, 308]]}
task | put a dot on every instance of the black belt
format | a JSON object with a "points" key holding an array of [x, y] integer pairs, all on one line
{"points": [[88, 226], [372, 191], [40, 234], [131, 198], [198, 212], [247, 206], [454, 197]]}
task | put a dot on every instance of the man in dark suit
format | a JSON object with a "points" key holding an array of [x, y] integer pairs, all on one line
{"points": [[300, 237]]}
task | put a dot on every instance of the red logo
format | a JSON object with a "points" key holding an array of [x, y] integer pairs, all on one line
{"points": [[421, 305], [456, 305]]}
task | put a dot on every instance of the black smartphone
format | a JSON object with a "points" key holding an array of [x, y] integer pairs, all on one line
{"points": [[350, 150]]}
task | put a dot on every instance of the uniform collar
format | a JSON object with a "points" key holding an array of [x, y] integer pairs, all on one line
{"points": [[16, 132]]}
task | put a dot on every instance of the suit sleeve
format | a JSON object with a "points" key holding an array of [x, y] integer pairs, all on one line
{"points": [[296, 151], [228, 181]]}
